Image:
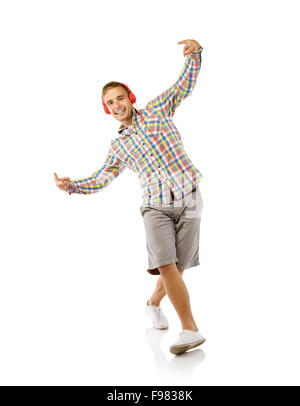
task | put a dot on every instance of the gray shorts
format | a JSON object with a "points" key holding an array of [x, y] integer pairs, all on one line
{"points": [[173, 231]]}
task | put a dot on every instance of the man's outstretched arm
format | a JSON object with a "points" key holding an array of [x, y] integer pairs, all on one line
{"points": [[97, 181], [169, 100]]}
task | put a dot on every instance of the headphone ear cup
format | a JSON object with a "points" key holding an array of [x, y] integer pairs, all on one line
{"points": [[105, 107], [132, 97]]}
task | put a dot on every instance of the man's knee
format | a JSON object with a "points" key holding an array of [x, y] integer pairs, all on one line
{"points": [[163, 270], [166, 269]]}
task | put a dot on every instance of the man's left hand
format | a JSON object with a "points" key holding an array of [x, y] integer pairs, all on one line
{"points": [[190, 46]]}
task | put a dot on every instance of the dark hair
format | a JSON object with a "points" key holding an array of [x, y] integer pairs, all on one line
{"points": [[111, 85]]}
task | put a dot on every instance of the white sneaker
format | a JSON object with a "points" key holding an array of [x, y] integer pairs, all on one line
{"points": [[159, 320], [187, 339]]}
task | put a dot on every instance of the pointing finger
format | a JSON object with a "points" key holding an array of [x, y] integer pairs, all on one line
{"points": [[188, 51]]}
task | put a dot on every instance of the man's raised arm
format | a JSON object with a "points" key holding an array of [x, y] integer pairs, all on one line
{"points": [[168, 101]]}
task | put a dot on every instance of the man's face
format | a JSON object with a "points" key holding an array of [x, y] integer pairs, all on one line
{"points": [[117, 100]]}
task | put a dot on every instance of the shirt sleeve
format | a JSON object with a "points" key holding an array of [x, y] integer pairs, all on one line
{"points": [[168, 101], [102, 177]]}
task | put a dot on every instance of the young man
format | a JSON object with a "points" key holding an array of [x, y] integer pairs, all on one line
{"points": [[150, 145]]}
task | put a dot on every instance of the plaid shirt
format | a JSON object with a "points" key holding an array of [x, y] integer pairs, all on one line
{"points": [[152, 147]]}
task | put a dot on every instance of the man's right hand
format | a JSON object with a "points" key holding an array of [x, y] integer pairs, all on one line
{"points": [[190, 46], [62, 183]]}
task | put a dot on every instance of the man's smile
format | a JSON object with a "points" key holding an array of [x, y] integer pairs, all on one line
{"points": [[120, 112]]}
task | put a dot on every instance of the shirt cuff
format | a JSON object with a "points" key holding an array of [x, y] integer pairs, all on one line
{"points": [[197, 53], [70, 189]]}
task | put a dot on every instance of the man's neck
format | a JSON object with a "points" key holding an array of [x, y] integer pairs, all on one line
{"points": [[128, 123]]}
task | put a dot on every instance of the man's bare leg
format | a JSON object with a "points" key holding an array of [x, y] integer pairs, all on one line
{"points": [[159, 292], [178, 295]]}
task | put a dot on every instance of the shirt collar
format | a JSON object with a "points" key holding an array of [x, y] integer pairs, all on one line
{"points": [[122, 127]]}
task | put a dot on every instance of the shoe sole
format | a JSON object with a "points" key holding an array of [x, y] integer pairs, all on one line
{"points": [[179, 349]]}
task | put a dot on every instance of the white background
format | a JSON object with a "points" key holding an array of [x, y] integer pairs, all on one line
{"points": [[73, 268]]}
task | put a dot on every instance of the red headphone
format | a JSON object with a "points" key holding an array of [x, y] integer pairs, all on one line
{"points": [[131, 96]]}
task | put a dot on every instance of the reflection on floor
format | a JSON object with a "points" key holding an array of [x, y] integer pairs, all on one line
{"points": [[180, 365]]}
